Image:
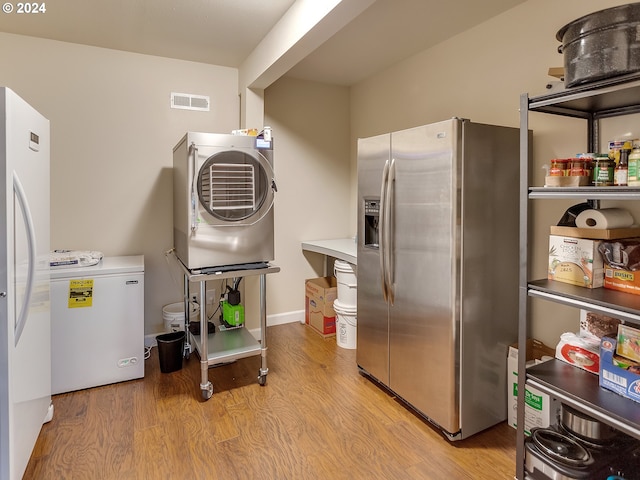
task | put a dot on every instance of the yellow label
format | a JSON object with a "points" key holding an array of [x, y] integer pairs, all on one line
{"points": [[80, 293], [625, 276], [570, 272]]}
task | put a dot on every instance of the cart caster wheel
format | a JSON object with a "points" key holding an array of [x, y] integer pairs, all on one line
{"points": [[187, 356], [207, 391], [262, 380]]}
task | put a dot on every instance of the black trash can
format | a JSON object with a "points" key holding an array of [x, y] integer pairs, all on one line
{"points": [[170, 351]]}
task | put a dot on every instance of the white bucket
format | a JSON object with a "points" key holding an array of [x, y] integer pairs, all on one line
{"points": [[346, 325], [347, 283], [173, 316]]}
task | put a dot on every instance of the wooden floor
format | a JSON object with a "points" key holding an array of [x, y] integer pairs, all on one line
{"points": [[316, 418]]}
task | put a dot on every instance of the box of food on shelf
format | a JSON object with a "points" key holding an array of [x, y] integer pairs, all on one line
{"points": [[576, 261], [581, 352], [622, 264], [622, 280], [595, 233], [319, 296], [622, 253], [617, 373], [540, 409], [628, 343], [595, 325]]}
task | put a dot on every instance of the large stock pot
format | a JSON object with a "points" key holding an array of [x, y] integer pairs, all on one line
{"points": [[602, 44]]}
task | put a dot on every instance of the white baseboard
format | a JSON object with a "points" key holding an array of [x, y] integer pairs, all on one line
{"points": [[276, 319], [280, 319], [287, 317]]}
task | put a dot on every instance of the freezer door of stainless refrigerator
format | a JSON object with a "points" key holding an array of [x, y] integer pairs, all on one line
{"points": [[372, 354], [422, 326]]}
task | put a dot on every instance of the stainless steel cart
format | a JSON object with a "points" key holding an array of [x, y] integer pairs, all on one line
{"points": [[228, 345]]}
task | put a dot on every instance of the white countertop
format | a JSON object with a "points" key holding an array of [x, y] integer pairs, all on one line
{"points": [[344, 249]]}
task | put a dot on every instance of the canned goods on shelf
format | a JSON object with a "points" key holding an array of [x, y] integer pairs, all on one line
{"points": [[603, 170], [578, 168], [633, 177], [614, 149], [616, 145], [559, 167]]}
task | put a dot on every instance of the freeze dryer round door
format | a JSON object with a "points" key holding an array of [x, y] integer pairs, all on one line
{"points": [[235, 187]]}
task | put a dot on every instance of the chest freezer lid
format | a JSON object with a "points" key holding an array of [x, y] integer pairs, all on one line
{"points": [[106, 266]]}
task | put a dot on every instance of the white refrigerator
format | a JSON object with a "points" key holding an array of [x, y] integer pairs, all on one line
{"points": [[25, 330]]}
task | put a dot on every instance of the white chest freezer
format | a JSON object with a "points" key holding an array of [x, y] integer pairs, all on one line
{"points": [[97, 324]]}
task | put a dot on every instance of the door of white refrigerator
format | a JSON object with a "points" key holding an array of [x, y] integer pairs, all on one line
{"points": [[25, 348]]}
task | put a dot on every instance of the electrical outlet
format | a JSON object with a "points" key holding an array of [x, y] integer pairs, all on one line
{"points": [[127, 362]]}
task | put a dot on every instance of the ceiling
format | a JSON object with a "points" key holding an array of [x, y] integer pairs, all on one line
{"points": [[225, 32]]}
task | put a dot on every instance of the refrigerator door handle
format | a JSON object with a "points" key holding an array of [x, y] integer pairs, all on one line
{"points": [[30, 230], [382, 227], [388, 251]]}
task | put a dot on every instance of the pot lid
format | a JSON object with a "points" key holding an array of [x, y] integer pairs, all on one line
{"points": [[606, 18], [561, 448]]}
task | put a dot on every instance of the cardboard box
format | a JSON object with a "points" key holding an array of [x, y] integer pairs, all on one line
{"points": [[540, 409], [622, 265], [570, 181], [622, 253], [319, 296], [628, 342], [595, 233], [596, 325], [576, 261], [622, 280], [623, 381], [557, 72]]}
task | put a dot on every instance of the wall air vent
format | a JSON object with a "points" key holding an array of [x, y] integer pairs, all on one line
{"points": [[187, 101]]}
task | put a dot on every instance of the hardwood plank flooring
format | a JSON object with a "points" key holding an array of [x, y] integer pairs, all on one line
{"points": [[316, 418]]}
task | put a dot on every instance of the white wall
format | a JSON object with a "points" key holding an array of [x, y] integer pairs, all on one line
{"points": [[112, 136], [311, 141], [480, 74], [112, 139]]}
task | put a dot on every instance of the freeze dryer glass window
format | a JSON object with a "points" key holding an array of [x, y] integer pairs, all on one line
{"points": [[232, 185]]}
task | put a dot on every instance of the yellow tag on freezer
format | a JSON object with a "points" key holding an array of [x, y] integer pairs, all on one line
{"points": [[80, 293]]}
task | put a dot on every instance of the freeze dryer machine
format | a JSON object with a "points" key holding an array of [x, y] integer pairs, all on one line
{"points": [[223, 192]]}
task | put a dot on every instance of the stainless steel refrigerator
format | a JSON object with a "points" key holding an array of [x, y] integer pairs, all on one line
{"points": [[438, 269]]}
